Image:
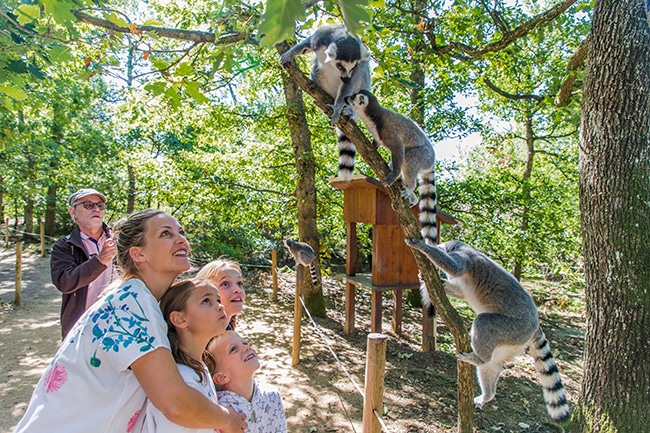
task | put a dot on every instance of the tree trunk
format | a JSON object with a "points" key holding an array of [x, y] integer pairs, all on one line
{"points": [[305, 186], [130, 204], [50, 210], [28, 212], [522, 248], [615, 212]]}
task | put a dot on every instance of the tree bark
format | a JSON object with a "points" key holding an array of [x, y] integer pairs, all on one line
{"points": [[130, 203], [615, 213], [305, 186]]}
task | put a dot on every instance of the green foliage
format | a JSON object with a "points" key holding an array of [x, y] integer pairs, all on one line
{"points": [[279, 20], [203, 126]]}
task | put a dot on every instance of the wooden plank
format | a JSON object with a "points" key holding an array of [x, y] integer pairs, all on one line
{"points": [[364, 281]]}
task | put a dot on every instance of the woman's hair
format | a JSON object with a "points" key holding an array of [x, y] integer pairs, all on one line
{"points": [[130, 232], [211, 272], [175, 299]]}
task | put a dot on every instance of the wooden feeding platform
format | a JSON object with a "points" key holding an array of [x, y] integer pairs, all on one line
{"points": [[393, 266]]}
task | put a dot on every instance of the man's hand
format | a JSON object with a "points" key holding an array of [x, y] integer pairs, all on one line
{"points": [[109, 250]]}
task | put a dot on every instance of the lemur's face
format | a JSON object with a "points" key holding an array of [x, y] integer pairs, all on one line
{"points": [[358, 101], [343, 66], [345, 69]]}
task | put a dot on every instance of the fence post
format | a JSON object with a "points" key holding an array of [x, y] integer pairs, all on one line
{"points": [[274, 273], [7, 232], [19, 272], [374, 389], [42, 224], [297, 316]]}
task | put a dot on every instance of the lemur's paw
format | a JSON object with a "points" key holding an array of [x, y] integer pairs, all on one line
{"points": [[414, 243], [470, 358]]}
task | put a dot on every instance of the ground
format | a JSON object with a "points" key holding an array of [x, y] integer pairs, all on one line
{"points": [[321, 394]]}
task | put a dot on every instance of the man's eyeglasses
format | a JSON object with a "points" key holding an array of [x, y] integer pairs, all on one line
{"points": [[89, 205]]}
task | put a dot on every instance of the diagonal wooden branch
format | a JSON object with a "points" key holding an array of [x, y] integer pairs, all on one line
{"points": [[180, 34], [411, 229], [507, 38]]}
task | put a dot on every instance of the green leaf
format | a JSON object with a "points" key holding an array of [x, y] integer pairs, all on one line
{"points": [[27, 13], [184, 69], [36, 71], [192, 89], [279, 20], [14, 92], [354, 12], [116, 19], [17, 66], [60, 54], [60, 11], [156, 88], [151, 22], [173, 97]]}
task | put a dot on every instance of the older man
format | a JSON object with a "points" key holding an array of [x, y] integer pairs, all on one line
{"points": [[81, 263]]}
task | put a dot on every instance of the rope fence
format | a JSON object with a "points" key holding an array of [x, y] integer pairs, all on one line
{"points": [[40, 235]]}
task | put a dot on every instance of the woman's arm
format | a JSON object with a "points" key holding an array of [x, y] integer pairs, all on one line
{"points": [[159, 377]]}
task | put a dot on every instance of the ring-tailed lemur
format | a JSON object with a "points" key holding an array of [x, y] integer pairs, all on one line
{"points": [[304, 255], [411, 152], [506, 321], [341, 67]]}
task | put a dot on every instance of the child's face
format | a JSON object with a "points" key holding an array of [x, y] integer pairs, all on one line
{"points": [[204, 313], [231, 289], [235, 357]]}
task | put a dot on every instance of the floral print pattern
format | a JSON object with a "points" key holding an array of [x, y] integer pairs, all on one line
{"points": [[117, 325], [55, 377]]}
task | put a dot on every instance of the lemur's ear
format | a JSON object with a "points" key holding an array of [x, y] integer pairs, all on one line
{"points": [[330, 53]]}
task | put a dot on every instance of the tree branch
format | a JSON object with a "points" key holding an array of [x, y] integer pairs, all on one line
{"points": [[196, 36], [512, 96], [508, 37]]}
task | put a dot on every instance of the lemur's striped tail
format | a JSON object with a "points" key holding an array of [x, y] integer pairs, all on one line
{"points": [[554, 393], [426, 300], [347, 153], [428, 202], [314, 275]]}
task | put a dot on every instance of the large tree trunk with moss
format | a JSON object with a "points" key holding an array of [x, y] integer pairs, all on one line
{"points": [[305, 187], [614, 203]]}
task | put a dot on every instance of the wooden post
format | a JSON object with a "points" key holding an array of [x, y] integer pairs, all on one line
{"points": [[19, 272], [374, 389], [375, 311], [274, 273], [7, 232], [397, 311], [350, 269], [42, 224], [297, 316], [428, 331]]}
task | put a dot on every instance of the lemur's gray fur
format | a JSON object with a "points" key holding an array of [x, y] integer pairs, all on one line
{"points": [[412, 155], [304, 255], [341, 67], [506, 321]]}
